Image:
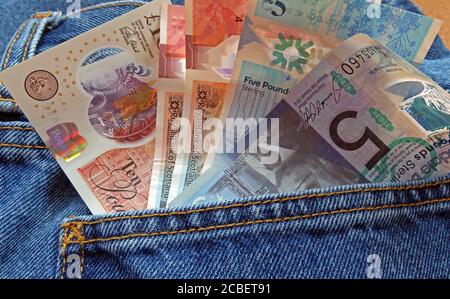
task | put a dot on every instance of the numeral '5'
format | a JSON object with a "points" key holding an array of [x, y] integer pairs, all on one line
{"points": [[368, 135]]}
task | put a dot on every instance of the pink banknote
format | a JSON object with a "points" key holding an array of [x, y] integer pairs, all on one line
{"points": [[120, 178]]}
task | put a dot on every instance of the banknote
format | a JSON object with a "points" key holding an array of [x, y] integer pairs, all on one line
{"points": [[212, 36], [283, 40], [93, 101], [172, 74], [380, 113], [364, 114], [172, 57], [114, 179]]}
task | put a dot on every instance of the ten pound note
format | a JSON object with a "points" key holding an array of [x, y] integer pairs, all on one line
{"points": [[93, 101], [364, 114]]}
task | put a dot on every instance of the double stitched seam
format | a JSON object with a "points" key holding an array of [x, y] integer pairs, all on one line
{"points": [[263, 202], [30, 38], [27, 45], [73, 234], [13, 43], [263, 221]]}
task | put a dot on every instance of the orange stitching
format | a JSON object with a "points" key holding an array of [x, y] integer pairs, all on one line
{"points": [[72, 233], [24, 146], [245, 223], [13, 42], [109, 5], [16, 128], [40, 15], [7, 100], [262, 202], [27, 45]]}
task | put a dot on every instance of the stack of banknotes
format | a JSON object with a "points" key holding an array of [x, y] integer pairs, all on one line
{"points": [[218, 100]]}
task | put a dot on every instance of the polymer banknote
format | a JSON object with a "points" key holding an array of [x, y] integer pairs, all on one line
{"points": [[93, 101], [283, 40], [212, 36], [364, 114], [170, 86]]}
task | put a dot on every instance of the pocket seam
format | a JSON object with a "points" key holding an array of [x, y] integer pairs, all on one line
{"points": [[261, 202], [13, 43], [23, 146], [83, 241], [73, 232], [30, 38], [15, 129]]}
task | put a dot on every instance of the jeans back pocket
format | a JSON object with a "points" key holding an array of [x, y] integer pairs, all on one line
{"points": [[368, 231]]}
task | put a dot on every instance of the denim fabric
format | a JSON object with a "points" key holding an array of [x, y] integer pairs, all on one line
{"points": [[317, 234], [404, 229], [24, 8]]}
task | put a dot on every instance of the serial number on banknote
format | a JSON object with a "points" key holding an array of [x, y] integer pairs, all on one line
{"points": [[361, 57]]}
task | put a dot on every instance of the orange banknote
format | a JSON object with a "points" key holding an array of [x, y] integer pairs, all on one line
{"points": [[213, 29], [216, 20], [172, 57], [212, 33], [172, 75]]}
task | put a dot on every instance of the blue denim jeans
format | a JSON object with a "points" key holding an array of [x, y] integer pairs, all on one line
{"points": [[366, 231]]}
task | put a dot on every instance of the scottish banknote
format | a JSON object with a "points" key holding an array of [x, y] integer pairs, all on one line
{"points": [[212, 36], [93, 101], [283, 40], [172, 74], [364, 114]]}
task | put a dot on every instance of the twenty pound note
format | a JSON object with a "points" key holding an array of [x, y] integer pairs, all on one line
{"points": [[364, 114], [93, 101]]}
